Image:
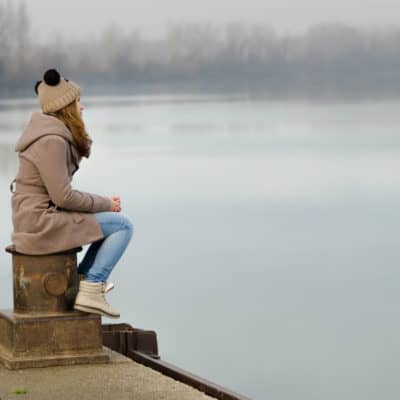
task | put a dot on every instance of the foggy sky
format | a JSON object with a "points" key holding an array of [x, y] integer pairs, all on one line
{"points": [[75, 17]]}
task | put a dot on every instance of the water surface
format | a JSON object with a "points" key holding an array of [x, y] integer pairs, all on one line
{"points": [[265, 251]]}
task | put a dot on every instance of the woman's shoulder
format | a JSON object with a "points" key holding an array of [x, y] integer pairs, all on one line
{"points": [[51, 138], [49, 145]]}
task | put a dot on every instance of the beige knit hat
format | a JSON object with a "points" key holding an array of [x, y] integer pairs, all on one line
{"points": [[55, 92]]}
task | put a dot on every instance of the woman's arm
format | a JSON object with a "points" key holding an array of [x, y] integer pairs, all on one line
{"points": [[50, 155]]}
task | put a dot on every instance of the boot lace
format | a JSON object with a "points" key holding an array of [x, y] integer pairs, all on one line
{"points": [[103, 286]]}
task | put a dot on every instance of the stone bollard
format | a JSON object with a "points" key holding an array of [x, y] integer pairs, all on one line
{"points": [[43, 329]]}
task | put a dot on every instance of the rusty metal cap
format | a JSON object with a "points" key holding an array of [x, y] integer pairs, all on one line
{"points": [[55, 283]]}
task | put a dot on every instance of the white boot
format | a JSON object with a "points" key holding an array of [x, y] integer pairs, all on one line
{"points": [[91, 299]]}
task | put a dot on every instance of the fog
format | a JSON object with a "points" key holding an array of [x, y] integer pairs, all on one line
{"points": [[327, 60], [151, 18]]}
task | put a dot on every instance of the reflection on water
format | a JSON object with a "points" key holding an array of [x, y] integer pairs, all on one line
{"points": [[266, 233]]}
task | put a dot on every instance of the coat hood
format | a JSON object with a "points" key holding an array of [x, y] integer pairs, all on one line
{"points": [[41, 125]]}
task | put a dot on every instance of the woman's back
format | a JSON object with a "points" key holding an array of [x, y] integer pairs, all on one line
{"points": [[47, 161], [48, 215]]}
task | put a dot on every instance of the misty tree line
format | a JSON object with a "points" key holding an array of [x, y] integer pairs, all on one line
{"points": [[327, 60]]}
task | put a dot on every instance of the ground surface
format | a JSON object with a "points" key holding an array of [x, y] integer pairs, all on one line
{"points": [[121, 379]]}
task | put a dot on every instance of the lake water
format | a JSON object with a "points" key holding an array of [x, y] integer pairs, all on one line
{"points": [[266, 244]]}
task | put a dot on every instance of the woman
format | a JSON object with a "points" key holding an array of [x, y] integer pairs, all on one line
{"points": [[48, 215]]}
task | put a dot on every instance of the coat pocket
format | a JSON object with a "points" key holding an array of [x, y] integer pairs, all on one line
{"points": [[52, 210], [77, 217]]}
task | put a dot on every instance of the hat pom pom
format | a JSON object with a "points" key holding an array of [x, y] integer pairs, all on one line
{"points": [[52, 77]]}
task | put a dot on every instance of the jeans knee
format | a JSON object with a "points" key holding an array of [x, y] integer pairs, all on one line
{"points": [[128, 224]]}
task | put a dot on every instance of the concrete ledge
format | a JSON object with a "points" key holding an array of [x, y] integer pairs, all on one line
{"points": [[29, 340], [120, 379], [11, 362]]}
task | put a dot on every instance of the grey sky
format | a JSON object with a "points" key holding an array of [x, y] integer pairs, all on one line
{"points": [[76, 17]]}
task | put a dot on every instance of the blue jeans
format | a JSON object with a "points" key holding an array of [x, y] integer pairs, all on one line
{"points": [[102, 255]]}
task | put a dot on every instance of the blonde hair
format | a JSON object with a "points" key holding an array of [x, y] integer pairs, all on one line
{"points": [[71, 117]]}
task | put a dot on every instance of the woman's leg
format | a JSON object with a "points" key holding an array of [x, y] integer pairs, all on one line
{"points": [[103, 255], [89, 257]]}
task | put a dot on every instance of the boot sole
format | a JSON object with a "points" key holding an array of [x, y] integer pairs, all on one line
{"points": [[94, 311]]}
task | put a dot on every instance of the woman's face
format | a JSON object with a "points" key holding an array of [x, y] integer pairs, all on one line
{"points": [[79, 106]]}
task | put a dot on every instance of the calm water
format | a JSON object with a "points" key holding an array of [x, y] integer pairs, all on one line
{"points": [[265, 252]]}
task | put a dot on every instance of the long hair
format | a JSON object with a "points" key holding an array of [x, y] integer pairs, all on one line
{"points": [[71, 117]]}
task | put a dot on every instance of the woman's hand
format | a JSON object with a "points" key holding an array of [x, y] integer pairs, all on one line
{"points": [[115, 204]]}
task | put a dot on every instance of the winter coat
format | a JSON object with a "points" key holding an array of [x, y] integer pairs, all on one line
{"points": [[48, 215]]}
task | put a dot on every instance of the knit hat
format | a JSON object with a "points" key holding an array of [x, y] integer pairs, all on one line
{"points": [[55, 92]]}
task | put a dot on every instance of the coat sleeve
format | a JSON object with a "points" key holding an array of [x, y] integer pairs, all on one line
{"points": [[51, 160]]}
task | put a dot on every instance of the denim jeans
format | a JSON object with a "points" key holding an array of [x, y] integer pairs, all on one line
{"points": [[102, 255]]}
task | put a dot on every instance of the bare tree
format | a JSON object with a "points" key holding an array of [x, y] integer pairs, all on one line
{"points": [[327, 60]]}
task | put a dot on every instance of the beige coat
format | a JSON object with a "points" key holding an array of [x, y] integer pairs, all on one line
{"points": [[48, 215]]}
